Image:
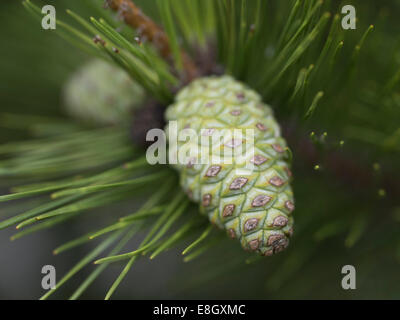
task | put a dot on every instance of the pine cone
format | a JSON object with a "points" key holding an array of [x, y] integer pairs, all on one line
{"points": [[101, 94], [254, 208]]}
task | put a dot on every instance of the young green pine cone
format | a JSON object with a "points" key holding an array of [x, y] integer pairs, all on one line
{"points": [[256, 207], [101, 93]]}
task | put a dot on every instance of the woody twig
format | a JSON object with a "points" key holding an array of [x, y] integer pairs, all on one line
{"points": [[148, 29]]}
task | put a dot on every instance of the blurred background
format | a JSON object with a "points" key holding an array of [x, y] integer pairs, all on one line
{"points": [[35, 64]]}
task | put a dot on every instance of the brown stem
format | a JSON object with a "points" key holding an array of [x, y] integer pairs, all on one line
{"points": [[134, 17]]}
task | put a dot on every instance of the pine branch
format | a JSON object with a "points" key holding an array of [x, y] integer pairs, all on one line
{"points": [[349, 169], [149, 30]]}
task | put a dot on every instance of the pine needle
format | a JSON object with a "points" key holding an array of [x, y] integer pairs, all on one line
{"points": [[195, 243], [82, 263]]}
